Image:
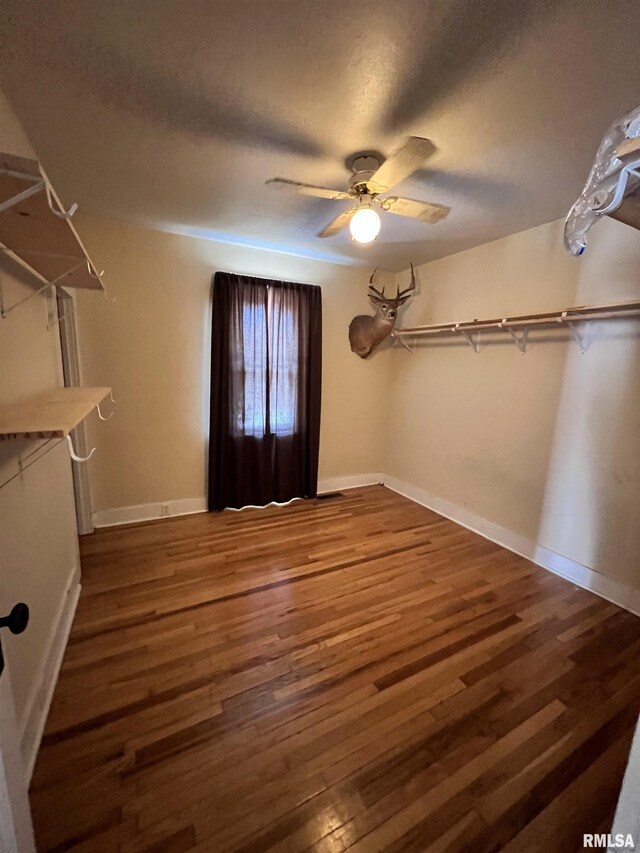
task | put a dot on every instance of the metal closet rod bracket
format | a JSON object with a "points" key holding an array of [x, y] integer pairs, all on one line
{"points": [[519, 339], [472, 340], [404, 343], [581, 338]]}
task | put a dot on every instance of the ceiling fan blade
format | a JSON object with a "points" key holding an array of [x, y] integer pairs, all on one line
{"points": [[401, 163], [341, 221], [307, 189], [422, 210]]}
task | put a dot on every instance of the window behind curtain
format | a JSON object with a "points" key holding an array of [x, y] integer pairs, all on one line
{"points": [[266, 375], [265, 368]]}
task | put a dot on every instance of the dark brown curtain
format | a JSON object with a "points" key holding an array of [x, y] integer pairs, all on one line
{"points": [[266, 363]]}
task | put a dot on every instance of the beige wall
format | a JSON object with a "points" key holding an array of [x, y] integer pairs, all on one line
{"points": [[38, 541], [547, 444], [152, 345]]}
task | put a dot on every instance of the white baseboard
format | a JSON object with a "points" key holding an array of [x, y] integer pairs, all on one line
{"points": [[582, 576], [148, 512], [33, 720], [188, 506], [338, 484]]}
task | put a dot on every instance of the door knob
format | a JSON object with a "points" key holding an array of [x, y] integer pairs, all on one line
{"points": [[16, 622]]}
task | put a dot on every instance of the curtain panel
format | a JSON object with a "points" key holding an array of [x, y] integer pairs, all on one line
{"points": [[266, 372]]}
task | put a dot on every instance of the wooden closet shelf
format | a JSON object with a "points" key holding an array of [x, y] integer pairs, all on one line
{"points": [[50, 415], [45, 243]]}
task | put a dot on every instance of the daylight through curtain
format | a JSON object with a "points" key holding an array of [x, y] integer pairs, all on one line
{"points": [[265, 391]]}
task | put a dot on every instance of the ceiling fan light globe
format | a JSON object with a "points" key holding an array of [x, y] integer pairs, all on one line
{"points": [[365, 224]]}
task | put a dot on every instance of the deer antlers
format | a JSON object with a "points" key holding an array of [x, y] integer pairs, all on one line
{"points": [[401, 295], [412, 286], [378, 293]]}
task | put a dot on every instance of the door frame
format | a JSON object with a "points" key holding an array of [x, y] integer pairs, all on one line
{"points": [[72, 374], [16, 827]]}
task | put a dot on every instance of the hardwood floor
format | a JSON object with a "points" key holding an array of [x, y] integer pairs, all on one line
{"points": [[353, 673]]}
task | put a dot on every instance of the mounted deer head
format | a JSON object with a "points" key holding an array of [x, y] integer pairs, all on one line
{"points": [[365, 333]]}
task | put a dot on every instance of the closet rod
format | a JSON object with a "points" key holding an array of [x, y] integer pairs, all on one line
{"points": [[568, 315]]}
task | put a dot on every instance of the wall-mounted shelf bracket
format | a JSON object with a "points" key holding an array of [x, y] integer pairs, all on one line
{"points": [[404, 343], [580, 337], [22, 196], [519, 339], [6, 311], [74, 455], [101, 416], [472, 340], [50, 299]]}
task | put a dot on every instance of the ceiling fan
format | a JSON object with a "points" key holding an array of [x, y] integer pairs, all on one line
{"points": [[372, 178]]}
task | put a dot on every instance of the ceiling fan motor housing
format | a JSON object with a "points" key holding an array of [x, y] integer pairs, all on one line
{"points": [[363, 166]]}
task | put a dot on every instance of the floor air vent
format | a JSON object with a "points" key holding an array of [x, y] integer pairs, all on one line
{"points": [[326, 495]]}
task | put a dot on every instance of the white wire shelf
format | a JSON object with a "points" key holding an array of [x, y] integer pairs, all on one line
{"points": [[35, 228]]}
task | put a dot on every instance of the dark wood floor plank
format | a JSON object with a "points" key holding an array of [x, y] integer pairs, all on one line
{"points": [[352, 674]]}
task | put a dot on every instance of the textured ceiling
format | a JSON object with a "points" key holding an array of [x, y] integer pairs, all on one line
{"points": [[173, 113]]}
